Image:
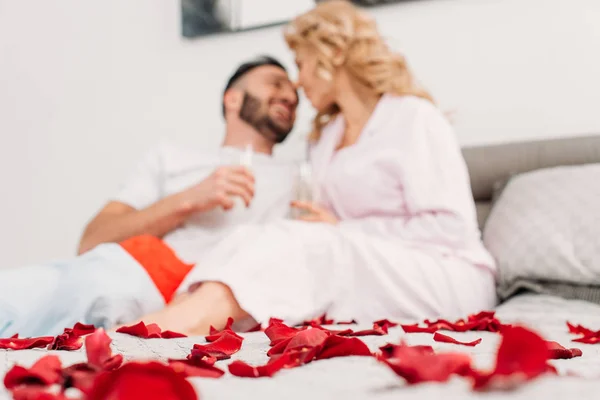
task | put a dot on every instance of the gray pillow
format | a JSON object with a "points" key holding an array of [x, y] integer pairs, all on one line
{"points": [[545, 226]]}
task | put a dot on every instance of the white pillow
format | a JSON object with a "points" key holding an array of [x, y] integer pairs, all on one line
{"points": [[545, 226]]}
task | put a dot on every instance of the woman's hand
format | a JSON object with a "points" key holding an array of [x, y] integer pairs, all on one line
{"points": [[316, 213]]}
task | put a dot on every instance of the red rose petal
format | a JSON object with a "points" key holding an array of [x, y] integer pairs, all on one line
{"points": [[154, 332], [80, 329], [140, 330], [25, 343], [337, 346], [199, 358], [417, 365], [99, 353], [351, 322], [216, 334], [79, 376], [308, 338], [588, 336], [558, 351], [389, 350], [45, 371], [279, 348], [521, 350], [222, 348], [378, 330], [322, 320], [523, 355], [385, 322], [438, 337], [244, 370], [277, 332], [579, 329], [66, 341], [228, 325], [589, 339], [345, 332], [171, 335], [189, 368], [483, 321], [150, 380], [415, 328]]}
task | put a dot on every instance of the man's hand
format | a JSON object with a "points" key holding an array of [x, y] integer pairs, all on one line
{"points": [[315, 213], [218, 190]]}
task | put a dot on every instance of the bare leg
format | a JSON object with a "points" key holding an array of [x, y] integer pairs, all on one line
{"points": [[211, 304]]}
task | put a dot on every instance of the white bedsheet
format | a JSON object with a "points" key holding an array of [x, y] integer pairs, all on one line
{"points": [[363, 377]]}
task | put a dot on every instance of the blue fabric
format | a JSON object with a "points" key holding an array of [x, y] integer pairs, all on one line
{"points": [[103, 287]]}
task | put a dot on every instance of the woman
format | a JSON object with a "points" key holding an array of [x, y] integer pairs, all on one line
{"points": [[395, 233]]}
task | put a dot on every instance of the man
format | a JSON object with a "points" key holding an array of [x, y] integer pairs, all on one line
{"points": [[176, 205]]}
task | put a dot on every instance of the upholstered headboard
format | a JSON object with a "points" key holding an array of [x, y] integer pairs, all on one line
{"points": [[494, 164]]}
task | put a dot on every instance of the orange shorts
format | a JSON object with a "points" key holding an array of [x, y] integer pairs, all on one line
{"points": [[165, 269]]}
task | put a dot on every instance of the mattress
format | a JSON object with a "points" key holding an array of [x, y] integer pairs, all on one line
{"points": [[365, 378]]}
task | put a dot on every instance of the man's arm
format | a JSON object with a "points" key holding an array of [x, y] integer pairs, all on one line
{"points": [[118, 221]]}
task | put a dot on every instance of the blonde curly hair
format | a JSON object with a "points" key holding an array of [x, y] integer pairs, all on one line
{"points": [[343, 35]]}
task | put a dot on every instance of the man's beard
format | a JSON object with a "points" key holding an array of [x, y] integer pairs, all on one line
{"points": [[252, 113]]}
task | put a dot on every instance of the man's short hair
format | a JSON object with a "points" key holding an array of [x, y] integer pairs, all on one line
{"points": [[247, 67]]}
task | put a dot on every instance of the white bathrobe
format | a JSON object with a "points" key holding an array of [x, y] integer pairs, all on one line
{"points": [[407, 245]]}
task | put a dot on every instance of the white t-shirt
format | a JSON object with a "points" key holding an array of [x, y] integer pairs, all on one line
{"points": [[169, 169]]}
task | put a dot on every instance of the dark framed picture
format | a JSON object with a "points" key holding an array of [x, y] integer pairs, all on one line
{"points": [[208, 17]]}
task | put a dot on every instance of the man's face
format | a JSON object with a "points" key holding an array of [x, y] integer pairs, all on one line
{"points": [[270, 101]]}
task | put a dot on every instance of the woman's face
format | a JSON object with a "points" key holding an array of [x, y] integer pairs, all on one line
{"points": [[319, 92]]}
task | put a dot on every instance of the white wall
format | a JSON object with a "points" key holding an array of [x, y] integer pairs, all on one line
{"points": [[87, 86]]}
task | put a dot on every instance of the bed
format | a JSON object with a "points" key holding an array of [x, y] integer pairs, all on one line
{"points": [[364, 377]]}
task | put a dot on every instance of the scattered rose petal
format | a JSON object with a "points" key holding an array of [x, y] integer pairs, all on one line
{"points": [[337, 346], [389, 350], [345, 332], [351, 322], [15, 343], [438, 337], [418, 364], [171, 335], [483, 321], [151, 380], [150, 331], [322, 320], [378, 330], [45, 371], [309, 338], [189, 368], [79, 376], [99, 353], [279, 348], [215, 334], [557, 351], [278, 331], [222, 348], [80, 329], [244, 370], [579, 329], [522, 356], [140, 329], [66, 341], [415, 328], [385, 322], [588, 336]]}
